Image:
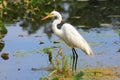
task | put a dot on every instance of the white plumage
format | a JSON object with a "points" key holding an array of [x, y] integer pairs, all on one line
{"points": [[70, 36], [73, 39]]}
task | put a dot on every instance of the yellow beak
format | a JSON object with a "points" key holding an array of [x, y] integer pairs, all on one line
{"points": [[48, 16]]}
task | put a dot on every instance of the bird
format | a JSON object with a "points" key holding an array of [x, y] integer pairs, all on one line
{"points": [[70, 36]]}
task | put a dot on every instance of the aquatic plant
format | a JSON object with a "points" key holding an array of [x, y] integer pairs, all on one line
{"points": [[3, 29], [62, 69]]}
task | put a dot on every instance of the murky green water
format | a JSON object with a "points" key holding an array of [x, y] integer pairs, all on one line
{"points": [[25, 40]]}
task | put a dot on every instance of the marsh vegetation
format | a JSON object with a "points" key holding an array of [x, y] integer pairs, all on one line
{"points": [[29, 49]]}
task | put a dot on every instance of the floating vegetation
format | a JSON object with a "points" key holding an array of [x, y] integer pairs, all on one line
{"points": [[95, 44], [2, 44], [62, 71], [117, 32], [20, 35], [22, 54], [41, 42], [87, 74], [5, 56], [99, 74], [49, 52], [119, 50], [55, 42]]}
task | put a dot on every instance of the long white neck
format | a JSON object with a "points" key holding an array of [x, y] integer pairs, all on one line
{"points": [[57, 21]]}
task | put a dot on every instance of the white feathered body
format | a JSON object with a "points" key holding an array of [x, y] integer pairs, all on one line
{"points": [[73, 39], [70, 35]]}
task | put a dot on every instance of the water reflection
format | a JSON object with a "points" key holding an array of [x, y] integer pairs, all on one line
{"points": [[2, 44], [93, 14], [3, 32], [25, 20], [88, 13]]}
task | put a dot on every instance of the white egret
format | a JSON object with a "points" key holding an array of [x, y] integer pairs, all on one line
{"points": [[70, 36]]}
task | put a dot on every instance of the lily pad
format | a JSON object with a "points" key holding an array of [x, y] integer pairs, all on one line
{"points": [[47, 50], [21, 54]]}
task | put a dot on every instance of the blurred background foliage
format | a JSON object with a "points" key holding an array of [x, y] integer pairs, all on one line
{"points": [[90, 13]]}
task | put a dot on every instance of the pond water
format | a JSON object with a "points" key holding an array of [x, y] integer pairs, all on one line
{"points": [[23, 55], [25, 50]]}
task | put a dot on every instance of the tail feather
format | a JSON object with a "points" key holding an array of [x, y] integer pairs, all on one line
{"points": [[91, 53], [88, 51]]}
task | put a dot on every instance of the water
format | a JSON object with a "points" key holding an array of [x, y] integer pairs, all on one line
{"points": [[105, 45], [17, 68], [23, 43]]}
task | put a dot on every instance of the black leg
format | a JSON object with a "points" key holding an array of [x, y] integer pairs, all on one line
{"points": [[76, 59], [73, 59]]}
